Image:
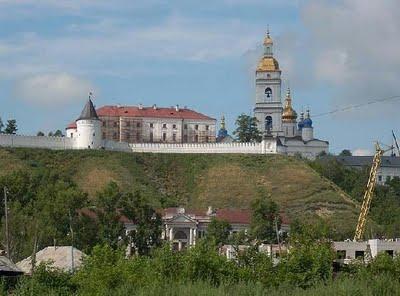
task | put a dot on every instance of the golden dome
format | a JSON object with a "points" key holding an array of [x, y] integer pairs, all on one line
{"points": [[268, 64], [288, 114]]}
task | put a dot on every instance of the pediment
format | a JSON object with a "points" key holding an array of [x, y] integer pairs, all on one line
{"points": [[181, 218]]}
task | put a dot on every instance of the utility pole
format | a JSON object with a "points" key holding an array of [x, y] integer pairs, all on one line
{"points": [[6, 217], [72, 242], [277, 235]]}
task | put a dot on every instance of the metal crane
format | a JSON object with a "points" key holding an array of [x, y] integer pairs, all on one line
{"points": [[362, 219]]}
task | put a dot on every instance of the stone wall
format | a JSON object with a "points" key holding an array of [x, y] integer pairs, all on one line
{"points": [[58, 143], [266, 147]]}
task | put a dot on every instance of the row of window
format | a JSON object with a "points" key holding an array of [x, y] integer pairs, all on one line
{"points": [[164, 125], [164, 137]]}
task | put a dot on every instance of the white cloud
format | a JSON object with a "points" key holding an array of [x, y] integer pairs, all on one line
{"points": [[361, 152], [354, 44], [52, 89]]}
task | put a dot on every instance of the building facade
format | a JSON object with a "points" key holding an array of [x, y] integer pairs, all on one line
{"points": [[183, 227], [138, 124], [388, 169], [278, 120]]}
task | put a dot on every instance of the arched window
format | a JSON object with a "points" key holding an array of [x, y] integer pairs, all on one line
{"points": [[268, 93], [268, 123]]}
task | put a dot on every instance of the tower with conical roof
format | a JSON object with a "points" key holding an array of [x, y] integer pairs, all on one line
{"points": [[88, 127], [289, 117], [268, 106]]}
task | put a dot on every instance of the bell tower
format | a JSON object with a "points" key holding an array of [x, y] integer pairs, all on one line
{"points": [[268, 106]]}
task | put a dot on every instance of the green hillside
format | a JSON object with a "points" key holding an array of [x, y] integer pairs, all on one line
{"points": [[198, 181]]}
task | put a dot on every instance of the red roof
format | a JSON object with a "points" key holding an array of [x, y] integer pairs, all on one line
{"points": [[241, 216], [133, 111], [72, 125]]}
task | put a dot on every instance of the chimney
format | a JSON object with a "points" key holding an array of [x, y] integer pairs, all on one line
{"points": [[177, 108], [209, 211], [140, 106], [155, 107]]}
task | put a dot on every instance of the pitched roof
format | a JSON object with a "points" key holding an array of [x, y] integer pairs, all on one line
{"points": [[59, 256], [88, 112], [8, 268], [72, 125], [156, 112], [365, 161]]}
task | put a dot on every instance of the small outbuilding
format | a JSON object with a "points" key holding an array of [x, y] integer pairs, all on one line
{"points": [[66, 258], [8, 268]]}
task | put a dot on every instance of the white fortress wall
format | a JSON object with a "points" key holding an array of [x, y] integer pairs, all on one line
{"points": [[37, 142], [246, 148]]}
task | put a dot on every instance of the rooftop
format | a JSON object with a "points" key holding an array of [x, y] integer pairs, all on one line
{"points": [[156, 112]]}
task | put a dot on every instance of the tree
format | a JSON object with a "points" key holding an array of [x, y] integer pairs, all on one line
{"points": [[345, 152], [40, 134], [50, 134], [107, 204], [246, 129], [147, 233], [1, 126], [11, 127], [58, 133], [218, 230], [264, 219]]}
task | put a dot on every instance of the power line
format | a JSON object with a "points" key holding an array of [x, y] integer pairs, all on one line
{"points": [[357, 106]]}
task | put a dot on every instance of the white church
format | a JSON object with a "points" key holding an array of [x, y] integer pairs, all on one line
{"points": [[282, 132], [276, 120]]}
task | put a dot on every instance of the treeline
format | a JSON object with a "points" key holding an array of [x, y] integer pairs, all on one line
{"points": [[385, 206], [201, 270]]}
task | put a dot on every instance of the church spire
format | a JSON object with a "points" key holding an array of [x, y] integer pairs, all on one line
{"points": [[268, 44], [288, 114], [222, 126]]}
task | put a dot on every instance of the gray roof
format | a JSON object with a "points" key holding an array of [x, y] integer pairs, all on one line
{"points": [[363, 161], [59, 257], [8, 268], [88, 112]]}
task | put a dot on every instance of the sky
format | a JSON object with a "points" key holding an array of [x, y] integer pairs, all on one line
{"points": [[202, 54]]}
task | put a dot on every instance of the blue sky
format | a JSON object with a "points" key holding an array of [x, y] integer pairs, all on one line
{"points": [[201, 54]]}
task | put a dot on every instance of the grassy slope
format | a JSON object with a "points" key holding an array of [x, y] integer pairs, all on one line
{"points": [[198, 180]]}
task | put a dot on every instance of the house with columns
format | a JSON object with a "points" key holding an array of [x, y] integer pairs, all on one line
{"points": [[183, 227]]}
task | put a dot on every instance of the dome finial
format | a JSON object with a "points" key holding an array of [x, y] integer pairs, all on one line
{"points": [[223, 122], [268, 30]]}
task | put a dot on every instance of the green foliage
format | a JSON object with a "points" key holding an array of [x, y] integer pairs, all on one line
{"points": [[101, 272], [218, 231], [40, 134], [46, 280], [246, 129], [11, 127], [1, 126], [345, 152], [107, 205], [265, 219], [307, 264], [148, 223], [58, 133]]}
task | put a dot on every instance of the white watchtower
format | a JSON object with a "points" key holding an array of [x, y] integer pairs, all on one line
{"points": [[88, 127], [268, 107]]}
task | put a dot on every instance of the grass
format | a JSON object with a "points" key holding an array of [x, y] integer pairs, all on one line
{"points": [[197, 181]]}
